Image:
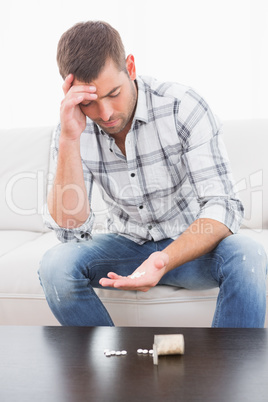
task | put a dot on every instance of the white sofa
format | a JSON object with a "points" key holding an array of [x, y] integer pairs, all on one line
{"points": [[24, 172]]}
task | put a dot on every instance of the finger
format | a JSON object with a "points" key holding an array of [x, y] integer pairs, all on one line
{"points": [[161, 261], [128, 283], [124, 285], [113, 275], [74, 99], [105, 282], [67, 83], [77, 97], [83, 88], [68, 104], [113, 280]]}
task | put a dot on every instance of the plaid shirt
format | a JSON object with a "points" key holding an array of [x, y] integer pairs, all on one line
{"points": [[175, 170]]}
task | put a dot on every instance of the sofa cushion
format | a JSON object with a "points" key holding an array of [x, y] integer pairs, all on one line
{"points": [[12, 239], [24, 156], [19, 267], [247, 143]]}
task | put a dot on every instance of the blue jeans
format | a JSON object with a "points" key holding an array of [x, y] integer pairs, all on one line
{"points": [[238, 266]]}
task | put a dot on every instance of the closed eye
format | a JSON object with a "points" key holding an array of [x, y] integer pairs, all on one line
{"points": [[114, 96], [110, 95], [85, 105]]}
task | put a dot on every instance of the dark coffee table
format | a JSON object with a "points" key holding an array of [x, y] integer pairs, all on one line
{"points": [[68, 364]]}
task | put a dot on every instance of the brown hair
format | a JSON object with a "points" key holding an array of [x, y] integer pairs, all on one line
{"points": [[84, 49]]}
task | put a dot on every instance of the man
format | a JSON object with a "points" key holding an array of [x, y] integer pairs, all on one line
{"points": [[155, 151]]}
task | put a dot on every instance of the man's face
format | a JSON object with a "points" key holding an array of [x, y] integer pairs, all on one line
{"points": [[114, 108]]}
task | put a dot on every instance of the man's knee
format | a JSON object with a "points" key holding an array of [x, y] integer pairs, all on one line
{"points": [[59, 262], [246, 252]]}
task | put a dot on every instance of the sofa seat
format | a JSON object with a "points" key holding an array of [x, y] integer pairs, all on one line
{"points": [[22, 299]]}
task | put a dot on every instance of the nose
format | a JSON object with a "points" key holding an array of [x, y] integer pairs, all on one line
{"points": [[105, 111]]}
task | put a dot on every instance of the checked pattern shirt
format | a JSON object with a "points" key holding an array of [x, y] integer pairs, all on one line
{"points": [[175, 170]]}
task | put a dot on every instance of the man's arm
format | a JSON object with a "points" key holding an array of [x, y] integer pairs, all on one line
{"points": [[68, 201], [201, 237]]}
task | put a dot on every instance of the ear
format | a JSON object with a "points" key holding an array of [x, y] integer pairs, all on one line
{"points": [[131, 67]]}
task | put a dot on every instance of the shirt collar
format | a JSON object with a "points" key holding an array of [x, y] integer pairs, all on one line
{"points": [[141, 112]]}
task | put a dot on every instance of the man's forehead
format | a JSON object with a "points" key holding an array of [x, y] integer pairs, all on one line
{"points": [[104, 87], [108, 78], [77, 82]]}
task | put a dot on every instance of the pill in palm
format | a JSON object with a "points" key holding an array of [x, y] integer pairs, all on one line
{"points": [[137, 275]]}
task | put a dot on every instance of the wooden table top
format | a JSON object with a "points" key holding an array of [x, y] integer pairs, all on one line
{"points": [[68, 364]]}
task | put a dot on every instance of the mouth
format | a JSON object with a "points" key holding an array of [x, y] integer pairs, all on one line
{"points": [[110, 123]]}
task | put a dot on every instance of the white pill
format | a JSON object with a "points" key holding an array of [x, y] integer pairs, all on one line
{"points": [[140, 351], [145, 351], [112, 352], [136, 275], [124, 352], [107, 354], [118, 353], [151, 351], [106, 350]]}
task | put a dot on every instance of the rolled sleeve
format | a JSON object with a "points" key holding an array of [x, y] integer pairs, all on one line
{"points": [[82, 233]]}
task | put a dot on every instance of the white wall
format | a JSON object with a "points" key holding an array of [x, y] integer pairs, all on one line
{"points": [[219, 47]]}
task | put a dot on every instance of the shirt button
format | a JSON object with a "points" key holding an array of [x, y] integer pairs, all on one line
{"points": [[150, 227], [82, 235], [132, 175], [141, 206], [111, 150]]}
